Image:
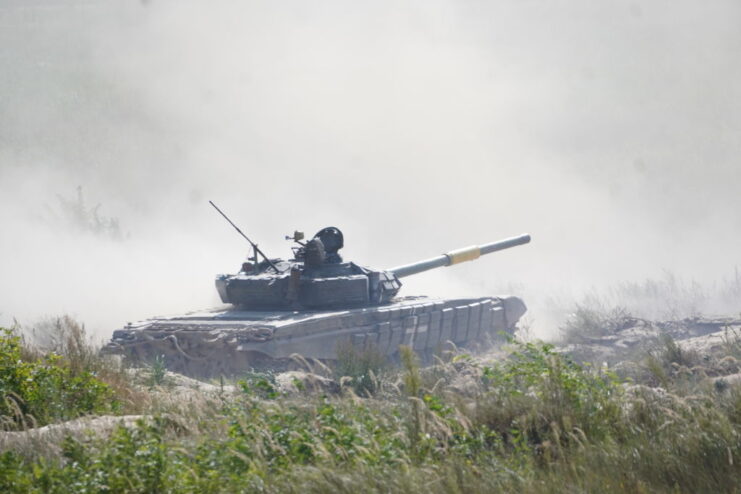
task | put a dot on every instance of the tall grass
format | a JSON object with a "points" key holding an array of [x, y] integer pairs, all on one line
{"points": [[602, 312], [533, 422], [361, 366]]}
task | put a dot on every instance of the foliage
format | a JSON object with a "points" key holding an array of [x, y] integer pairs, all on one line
{"points": [[46, 389], [259, 384], [158, 371], [362, 365], [533, 422], [539, 398]]}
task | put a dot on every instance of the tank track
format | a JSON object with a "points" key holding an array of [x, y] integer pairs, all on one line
{"points": [[231, 341]]}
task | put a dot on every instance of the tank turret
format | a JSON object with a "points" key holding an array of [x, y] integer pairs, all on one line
{"points": [[318, 278]]}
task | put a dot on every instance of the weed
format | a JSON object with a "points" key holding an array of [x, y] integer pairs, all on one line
{"points": [[732, 342], [158, 371], [259, 384], [361, 365], [75, 214], [412, 387], [590, 320]]}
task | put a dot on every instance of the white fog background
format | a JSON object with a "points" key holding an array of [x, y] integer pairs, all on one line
{"points": [[608, 130]]}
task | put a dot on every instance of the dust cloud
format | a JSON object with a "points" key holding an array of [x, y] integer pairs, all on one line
{"points": [[608, 130]]}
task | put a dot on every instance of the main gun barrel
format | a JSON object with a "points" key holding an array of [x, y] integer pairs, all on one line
{"points": [[458, 255]]}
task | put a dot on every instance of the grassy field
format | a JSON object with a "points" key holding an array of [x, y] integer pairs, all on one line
{"points": [[529, 421]]}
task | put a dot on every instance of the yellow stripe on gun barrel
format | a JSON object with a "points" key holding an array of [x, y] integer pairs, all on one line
{"points": [[464, 254]]}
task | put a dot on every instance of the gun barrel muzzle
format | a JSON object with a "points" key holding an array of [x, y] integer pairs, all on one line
{"points": [[458, 255]]}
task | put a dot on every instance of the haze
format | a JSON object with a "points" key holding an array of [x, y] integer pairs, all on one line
{"points": [[608, 130]]}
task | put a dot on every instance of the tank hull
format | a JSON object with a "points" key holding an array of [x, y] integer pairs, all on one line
{"points": [[230, 341]]}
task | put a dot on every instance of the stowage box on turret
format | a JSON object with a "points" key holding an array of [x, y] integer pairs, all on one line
{"points": [[311, 304]]}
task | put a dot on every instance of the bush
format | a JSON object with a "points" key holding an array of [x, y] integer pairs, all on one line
{"points": [[46, 389], [539, 396]]}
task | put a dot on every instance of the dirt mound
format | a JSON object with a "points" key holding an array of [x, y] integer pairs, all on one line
{"points": [[699, 347]]}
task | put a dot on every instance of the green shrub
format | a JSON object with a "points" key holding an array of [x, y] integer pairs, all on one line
{"points": [[259, 384], [538, 395], [47, 388], [158, 372]]}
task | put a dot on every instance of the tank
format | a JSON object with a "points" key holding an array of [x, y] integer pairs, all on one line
{"points": [[312, 304]]}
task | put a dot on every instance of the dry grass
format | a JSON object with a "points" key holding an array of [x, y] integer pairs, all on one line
{"points": [[601, 312], [533, 422]]}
